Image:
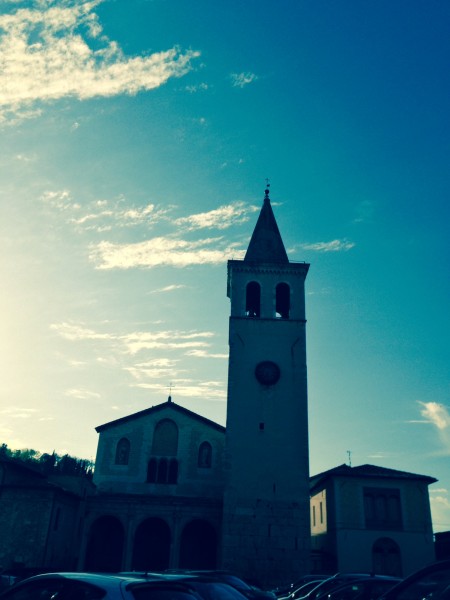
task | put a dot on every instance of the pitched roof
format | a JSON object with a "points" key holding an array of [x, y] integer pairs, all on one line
{"points": [[159, 407], [366, 471], [266, 245]]}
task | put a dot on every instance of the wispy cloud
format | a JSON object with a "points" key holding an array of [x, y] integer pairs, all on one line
{"points": [[161, 251], [242, 79], [103, 215], [201, 87], [168, 288], [82, 394], [219, 218], [205, 354], [438, 415], [46, 53], [333, 246], [134, 342], [16, 412], [142, 340], [187, 388], [440, 509]]}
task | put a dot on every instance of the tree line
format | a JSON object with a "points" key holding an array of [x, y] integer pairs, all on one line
{"points": [[50, 464]]}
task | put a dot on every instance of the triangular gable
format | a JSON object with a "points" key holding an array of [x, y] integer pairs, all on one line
{"points": [[169, 405]]}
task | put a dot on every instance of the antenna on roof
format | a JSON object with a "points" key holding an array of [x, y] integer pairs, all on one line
{"points": [[349, 452]]}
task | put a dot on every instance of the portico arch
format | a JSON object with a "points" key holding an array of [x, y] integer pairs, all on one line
{"points": [[151, 548], [105, 545], [198, 547]]}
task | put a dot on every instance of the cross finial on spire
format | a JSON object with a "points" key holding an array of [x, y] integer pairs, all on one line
{"points": [[170, 392]]}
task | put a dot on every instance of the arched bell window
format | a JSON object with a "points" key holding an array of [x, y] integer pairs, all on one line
{"points": [[253, 299], [283, 301]]}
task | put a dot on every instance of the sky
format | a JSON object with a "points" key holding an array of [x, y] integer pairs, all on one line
{"points": [[136, 137]]}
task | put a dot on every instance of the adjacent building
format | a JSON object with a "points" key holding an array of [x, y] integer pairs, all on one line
{"points": [[370, 519]]}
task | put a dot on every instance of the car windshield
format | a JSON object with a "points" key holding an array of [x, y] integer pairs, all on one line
{"points": [[212, 590], [434, 586]]}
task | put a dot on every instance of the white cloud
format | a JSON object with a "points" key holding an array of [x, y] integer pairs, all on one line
{"points": [[440, 509], [171, 340], [438, 415], [82, 394], [103, 215], [16, 412], [205, 354], [168, 288], [76, 332], [333, 246], [201, 87], [209, 390], [219, 218], [134, 342], [242, 79], [45, 55], [162, 251]]}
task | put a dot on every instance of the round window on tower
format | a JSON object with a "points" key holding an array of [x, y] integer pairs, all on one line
{"points": [[267, 372]]}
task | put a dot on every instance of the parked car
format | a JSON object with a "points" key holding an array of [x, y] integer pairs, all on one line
{"points": [[209, 588], [302, 590], [430, 583], [285, 590], [369, 588], [327, 586], [252, 592], [90, 586]]}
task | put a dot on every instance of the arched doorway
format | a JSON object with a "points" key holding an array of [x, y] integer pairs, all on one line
{"points": [[105, 545], [198, 549], [151, 549], [386, 558]]}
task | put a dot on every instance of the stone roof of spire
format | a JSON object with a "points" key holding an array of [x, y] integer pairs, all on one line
{"points": [[266, 245]]}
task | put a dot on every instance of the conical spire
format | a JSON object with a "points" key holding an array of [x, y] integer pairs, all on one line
{"points": [[266, 245]]}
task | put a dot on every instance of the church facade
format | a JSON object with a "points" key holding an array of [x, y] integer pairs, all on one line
{"points": [[176, 490]]}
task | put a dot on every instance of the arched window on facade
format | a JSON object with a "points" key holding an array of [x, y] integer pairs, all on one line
{"points": [[283, 301], [253, 300], [122, 452], [165, 438], [163, 464], [205, 455]]}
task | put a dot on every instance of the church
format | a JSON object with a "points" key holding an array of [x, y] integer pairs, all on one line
{"points": [[176, 490]]}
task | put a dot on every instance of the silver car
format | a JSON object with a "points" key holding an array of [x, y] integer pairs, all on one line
{"points": [[91, 586]]}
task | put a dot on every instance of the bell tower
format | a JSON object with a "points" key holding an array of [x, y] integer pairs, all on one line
{"points": [[266, 526]]}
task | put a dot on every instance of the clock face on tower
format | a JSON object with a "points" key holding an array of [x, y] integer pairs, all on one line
{"points": [[267, 372]]}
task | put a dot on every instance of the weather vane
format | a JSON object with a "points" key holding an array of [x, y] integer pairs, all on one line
{"points": [[267, 189]]}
